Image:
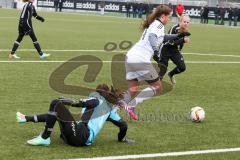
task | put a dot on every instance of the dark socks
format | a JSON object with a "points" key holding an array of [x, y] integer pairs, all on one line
{"points": [[15, 47], [50, 122], [163, 70], [38, 48], [174, 71], [36, 118]]}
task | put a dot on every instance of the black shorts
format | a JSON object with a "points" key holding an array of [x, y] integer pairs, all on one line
{"points": [[24, 28], [74, 134], [171, 54]]}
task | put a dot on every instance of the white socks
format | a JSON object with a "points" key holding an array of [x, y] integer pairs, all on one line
{"points": [[144, 95]]}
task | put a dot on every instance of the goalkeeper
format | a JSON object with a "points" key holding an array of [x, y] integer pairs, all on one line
{"points": [[97, 109]]}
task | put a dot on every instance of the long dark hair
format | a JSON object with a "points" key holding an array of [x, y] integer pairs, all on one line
{"points": [[160, 10], [111, 95]]}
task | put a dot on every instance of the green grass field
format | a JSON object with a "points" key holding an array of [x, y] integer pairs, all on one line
{"points": [[211, 81]]}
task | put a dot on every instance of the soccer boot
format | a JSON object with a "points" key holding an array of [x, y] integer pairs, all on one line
{"points": [[44, 55], [131, 112], [39, 141], [13, 56], [20, 118]]}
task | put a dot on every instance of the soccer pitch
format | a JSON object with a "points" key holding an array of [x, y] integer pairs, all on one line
{"points": [[211, 81]]}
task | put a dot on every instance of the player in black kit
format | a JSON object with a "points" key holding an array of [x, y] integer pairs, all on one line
{"points": [[25, 28], [172, 50]]}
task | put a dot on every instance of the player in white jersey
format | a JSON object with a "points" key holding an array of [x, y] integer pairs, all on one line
{"points": [[138, 59]]}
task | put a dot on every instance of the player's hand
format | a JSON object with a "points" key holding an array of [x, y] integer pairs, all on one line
{"points": [[186, 39], [156, 57], [40, 18], [183, 34]]}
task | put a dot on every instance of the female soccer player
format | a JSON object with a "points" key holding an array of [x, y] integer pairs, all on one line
{"points": [[138, 59], [172, 50], [25, 28], [97, 109]]}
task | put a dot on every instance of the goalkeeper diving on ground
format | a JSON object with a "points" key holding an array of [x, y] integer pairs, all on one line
{"points": [[97, 109]]}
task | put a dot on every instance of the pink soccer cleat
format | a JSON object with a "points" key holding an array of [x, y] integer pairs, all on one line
{"points": [[131, 112]]}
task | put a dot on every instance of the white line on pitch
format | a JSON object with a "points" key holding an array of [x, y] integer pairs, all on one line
{"points": [[190, 62], [167, 154], [64, 50], [116, 51], [205, 54]]}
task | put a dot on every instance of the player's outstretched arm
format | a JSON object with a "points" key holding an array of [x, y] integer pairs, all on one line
{"points": [[122, 125], [172, 37], [86, 103]]}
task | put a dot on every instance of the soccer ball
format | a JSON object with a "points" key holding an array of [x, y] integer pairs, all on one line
{"points": [[197, 114]]}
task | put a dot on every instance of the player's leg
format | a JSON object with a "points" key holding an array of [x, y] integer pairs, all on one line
{"points": [[21, 118], [37, 45], [131, 77], [155, 86], [235, 20], [146, 94], [178, 60], [16, 45], [72, 133], [136, 72], [163, 62], [133, 87], [51, 118]]}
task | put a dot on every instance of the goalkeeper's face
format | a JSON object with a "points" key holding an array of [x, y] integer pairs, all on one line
{"points": [[184, 23]]}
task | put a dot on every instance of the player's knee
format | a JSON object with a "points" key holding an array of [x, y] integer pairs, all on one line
{"points": [[157, 87], [182, 68], [133, 90]]}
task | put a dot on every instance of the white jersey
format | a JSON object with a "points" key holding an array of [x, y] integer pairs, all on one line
{"points": [[143, 49]]}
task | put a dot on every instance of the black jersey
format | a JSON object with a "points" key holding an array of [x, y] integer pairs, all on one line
{"points": [[177, 43], [26, 15]]}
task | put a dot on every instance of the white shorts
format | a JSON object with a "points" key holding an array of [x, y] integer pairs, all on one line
{"points": [[139, 69]]}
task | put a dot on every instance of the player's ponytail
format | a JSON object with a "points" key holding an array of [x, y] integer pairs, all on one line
{"points": [[159, 11], [25, 1]]}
